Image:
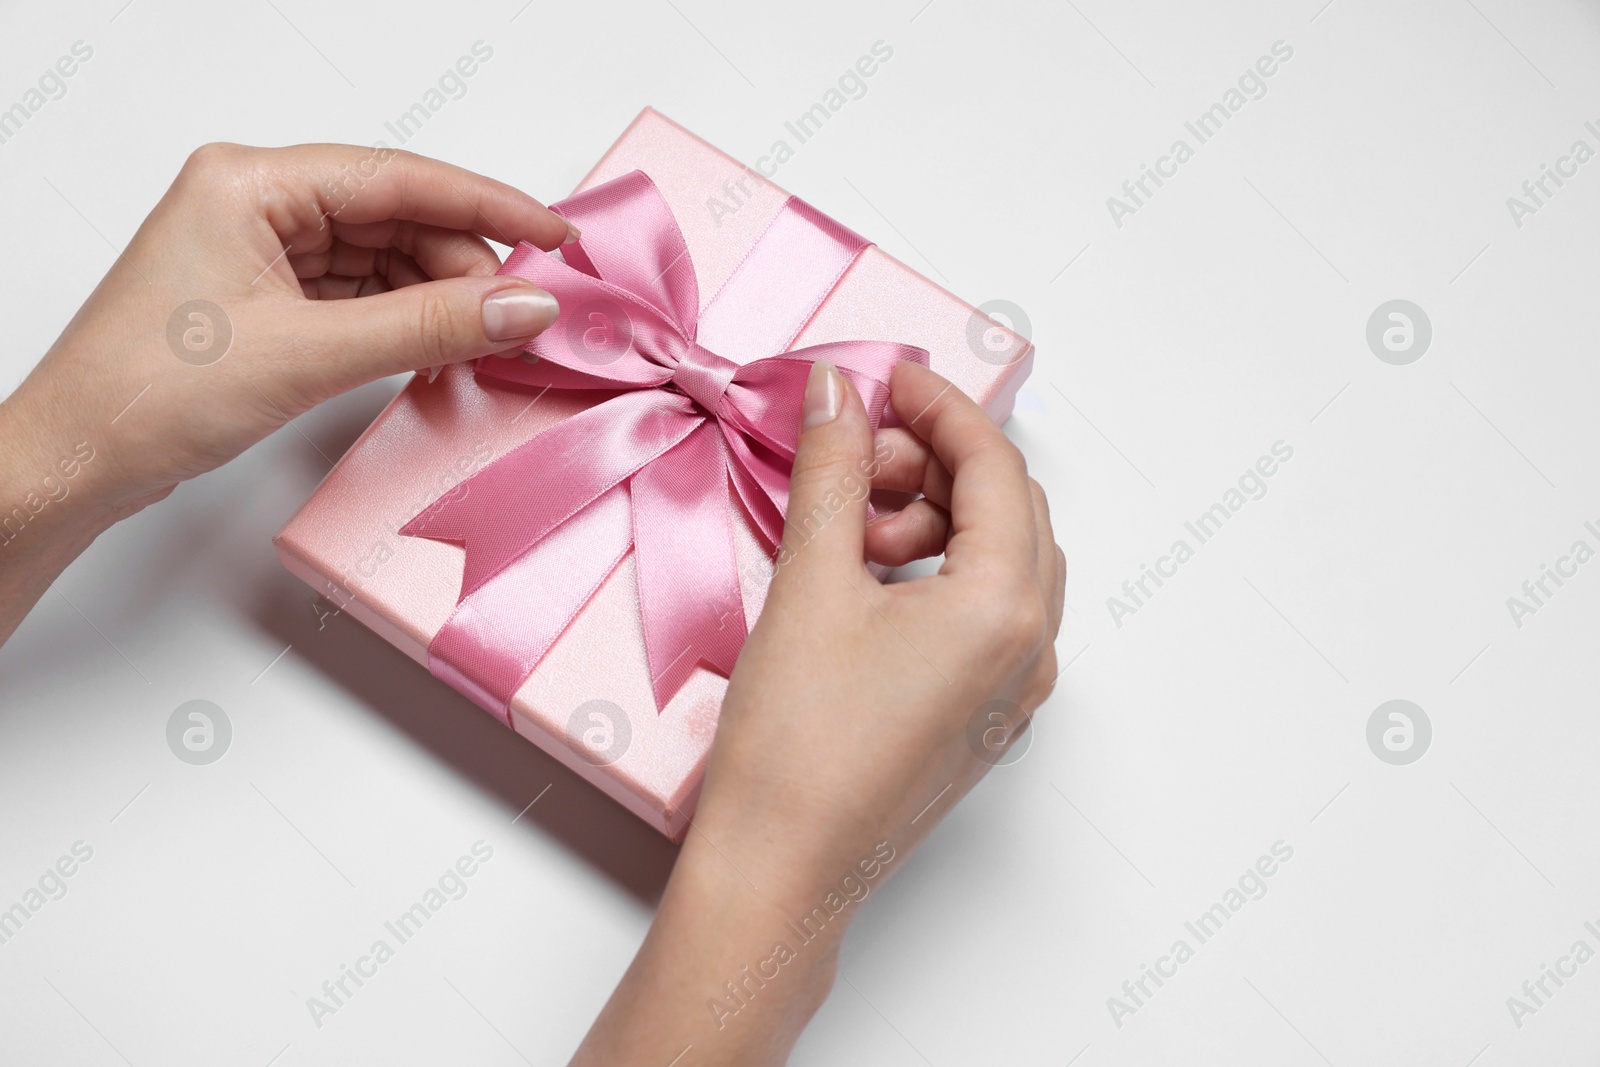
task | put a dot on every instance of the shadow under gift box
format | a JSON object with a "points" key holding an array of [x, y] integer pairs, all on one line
{"points": [[344, 542]]}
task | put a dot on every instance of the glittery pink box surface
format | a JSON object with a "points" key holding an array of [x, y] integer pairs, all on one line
{"points": [[343, 541]]}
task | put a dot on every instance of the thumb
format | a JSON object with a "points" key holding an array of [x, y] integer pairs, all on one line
{"points": [[424, 326], [825, 528]]}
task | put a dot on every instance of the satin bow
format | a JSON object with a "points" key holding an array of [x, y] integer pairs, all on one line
{"points": [[649, 469]]}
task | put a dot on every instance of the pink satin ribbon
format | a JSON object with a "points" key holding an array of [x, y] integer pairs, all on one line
{"points": [[650, 468]]}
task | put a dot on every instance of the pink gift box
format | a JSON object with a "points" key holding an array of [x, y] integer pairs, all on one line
{"points": [[589, 702]]}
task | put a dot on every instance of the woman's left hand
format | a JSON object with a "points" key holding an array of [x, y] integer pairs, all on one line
{"points": [[226, 315]]}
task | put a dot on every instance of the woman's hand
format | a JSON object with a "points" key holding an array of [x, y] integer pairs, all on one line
{"points": [[226, 316], [858, 714], [857, 704]]}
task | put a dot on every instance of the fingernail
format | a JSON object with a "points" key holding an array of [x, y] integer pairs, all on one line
{"points": [[573, 234], [433, 374], [524, 311], [824, 394]]}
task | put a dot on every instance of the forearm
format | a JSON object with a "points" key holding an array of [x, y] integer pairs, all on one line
{"points": [[733, 968], [51, 506]]}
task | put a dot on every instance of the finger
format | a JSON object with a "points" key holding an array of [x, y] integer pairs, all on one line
{"points": [[430, 253], [906, 464], [917, 531], [991, 510], [344, 260], [422, 325], [824, 528], [399, 269], [341, 287], [311, 264], [357, 185], [452, 253], [442, 253], [354, 261]]}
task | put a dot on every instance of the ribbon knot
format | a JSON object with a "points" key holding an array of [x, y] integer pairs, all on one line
{"points": [[650, 469], [704, 376]]}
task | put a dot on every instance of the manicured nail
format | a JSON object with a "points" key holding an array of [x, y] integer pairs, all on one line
{"points": [[573, 234], [512, 314], [824, 394]]}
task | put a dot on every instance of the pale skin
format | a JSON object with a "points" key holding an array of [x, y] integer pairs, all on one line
{"points": [[844, 737]]}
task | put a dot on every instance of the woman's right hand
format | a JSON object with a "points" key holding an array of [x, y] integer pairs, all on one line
{"points": [[858, 714], [858, 704]]}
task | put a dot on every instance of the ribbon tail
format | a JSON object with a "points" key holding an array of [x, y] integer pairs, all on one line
{"points": [[515, 502], [497, 635], [684, 558]]}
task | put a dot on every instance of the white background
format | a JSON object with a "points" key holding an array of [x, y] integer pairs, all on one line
{"points": [[1229, 713]]}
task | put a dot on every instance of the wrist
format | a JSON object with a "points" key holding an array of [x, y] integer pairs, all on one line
{"points": [[758, 977], [806, 890], [56, 483], [799, 850]]}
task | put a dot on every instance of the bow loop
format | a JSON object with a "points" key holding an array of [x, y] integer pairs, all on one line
{"points": [[607, 335], [655, 267]]}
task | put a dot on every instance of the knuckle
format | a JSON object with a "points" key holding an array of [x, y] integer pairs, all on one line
{"points": [[436, 327], [212, 157], [1007, 455], [822, 465], [1024, 627], [1014, 627], [1001, 446], [1041, 503], [405, 166]]}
